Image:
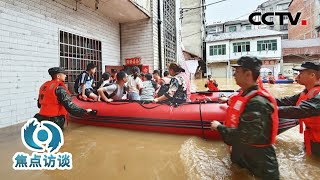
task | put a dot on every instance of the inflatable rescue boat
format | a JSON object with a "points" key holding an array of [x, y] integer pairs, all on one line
{"points": [[190, 118], [280, 81]]}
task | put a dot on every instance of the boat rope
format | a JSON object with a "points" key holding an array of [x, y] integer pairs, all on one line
{"points": [[201, 121]]}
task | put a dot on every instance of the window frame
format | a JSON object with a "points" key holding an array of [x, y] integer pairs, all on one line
{"points": [[75, 52], [219, 49], [267, 45], [244, 46]]}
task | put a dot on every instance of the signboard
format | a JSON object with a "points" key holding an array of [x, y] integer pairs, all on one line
{"points": [[133, 61]]}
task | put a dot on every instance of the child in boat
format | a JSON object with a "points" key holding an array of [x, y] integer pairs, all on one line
{"points": [[85, 83], [114, 91], [105, 79], [149, 87], [113, 76], [142, 77]]}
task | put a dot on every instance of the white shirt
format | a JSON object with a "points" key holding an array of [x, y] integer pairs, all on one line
{"points": [[134, 83]]}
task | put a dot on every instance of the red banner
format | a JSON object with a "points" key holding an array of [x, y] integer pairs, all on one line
{"points": [[133, 61]]}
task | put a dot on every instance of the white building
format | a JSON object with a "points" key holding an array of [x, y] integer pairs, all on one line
{"points": [[38, 34], [275, 6], [193, 26], [224, 49]]}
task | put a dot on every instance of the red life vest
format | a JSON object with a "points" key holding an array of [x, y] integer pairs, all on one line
{"points": [[50, 106], [271, 80], [212, 86], [312, 131], [237, 105]]}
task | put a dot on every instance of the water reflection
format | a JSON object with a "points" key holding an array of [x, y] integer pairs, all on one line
{"points": [[105, 153]]}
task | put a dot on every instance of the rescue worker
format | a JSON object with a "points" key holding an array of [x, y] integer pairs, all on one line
{"points": [[211, 84], [177, 92], [251, 123], [271, 79], [54, 100], [305, 106], [280, 76]]}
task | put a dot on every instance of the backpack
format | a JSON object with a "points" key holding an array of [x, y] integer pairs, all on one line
{"points": [[77, 82]]}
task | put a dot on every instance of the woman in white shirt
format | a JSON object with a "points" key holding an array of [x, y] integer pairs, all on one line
{"points": [[134, 84]]}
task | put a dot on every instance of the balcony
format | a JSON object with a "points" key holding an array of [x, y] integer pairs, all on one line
{"points": [[121, 11]]}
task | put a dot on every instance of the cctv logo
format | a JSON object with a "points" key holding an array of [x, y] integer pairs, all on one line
{"points": [[291, 19]]}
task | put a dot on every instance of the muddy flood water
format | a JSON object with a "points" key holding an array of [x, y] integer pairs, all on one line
{"points": [[106, 153]]}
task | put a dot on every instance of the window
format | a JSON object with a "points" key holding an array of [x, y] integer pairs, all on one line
{"points": [[76, 52], [248, 27], [241, 47], [211, 50], [271, 19], [285, 17], [271, 9], [279, 7], [217, 50], [232, 28], [271, 27], [267, 45], [284, 27]]}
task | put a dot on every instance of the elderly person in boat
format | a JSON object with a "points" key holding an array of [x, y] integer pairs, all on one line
{"points": [[177, 92]]}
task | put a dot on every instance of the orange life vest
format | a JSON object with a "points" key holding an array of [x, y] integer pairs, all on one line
{"points": [[312, 131], [271, 80], [50, 106], [212, 86], [238, 104]]}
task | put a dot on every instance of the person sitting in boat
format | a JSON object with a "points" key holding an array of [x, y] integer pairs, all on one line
{"points": [[280, 76], [134, 84], [105, 79], [211, 84], [156, 76], [54, 100], [85, 82], [305, 106], [149, 88], [164, 85], [271, 79], [177, 92], [113, 76], [114, 91], [142, 77], [251, 123], [166, 78]]}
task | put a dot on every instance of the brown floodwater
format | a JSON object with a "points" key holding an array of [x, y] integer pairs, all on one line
{"points": [[106, 153]]}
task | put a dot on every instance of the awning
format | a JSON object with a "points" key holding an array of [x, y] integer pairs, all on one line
{"points": [[121, 11]]}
